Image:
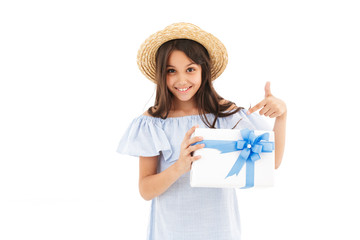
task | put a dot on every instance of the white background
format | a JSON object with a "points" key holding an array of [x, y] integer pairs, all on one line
{"points": [[70, 87]]}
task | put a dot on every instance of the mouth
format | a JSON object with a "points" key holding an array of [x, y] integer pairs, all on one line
{"points": [[183, 90]]}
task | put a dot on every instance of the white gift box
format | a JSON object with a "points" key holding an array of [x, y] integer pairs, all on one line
{"points": [[212, 169]]}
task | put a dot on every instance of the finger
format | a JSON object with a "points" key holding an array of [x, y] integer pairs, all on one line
{"points": [[269, 112], [195, 158], [267, 89], [256, 107], [265, 109], [194, 140], [193, 148], [190, 132], [275, 114]]}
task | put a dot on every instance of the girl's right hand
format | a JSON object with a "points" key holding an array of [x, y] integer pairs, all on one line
{"points": [[185, 159]]}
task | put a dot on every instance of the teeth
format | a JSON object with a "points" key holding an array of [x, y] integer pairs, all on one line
{"points": [[183, 89]]}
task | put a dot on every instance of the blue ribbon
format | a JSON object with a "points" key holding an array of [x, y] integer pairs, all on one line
{"points": [[251, 146]]}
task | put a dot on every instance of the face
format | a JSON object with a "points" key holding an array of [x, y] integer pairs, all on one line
{"points": [[183, 77]]}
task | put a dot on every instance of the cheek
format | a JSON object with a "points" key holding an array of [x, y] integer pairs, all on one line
{"points": [[197, 79], [169, 81]]}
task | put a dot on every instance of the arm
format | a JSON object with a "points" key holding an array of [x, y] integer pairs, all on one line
{"points": [[279, 130], [153, 184], [274, 108]]}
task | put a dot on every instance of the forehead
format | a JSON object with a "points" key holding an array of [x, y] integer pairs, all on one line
{"points": [[179, 58]]}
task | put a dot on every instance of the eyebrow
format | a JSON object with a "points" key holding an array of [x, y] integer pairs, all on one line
{"points": [[186, 65]]}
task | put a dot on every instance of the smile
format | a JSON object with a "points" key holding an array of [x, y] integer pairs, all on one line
{"points": [[183, 89]]}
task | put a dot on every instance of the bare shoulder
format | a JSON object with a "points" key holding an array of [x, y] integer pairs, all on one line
{"points": [[146, 114], [224, 101]]}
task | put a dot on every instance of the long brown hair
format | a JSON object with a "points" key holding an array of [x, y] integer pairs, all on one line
{"points": [[207, 99]]}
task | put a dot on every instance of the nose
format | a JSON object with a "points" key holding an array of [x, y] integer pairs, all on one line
{"points": [[181, 79]]}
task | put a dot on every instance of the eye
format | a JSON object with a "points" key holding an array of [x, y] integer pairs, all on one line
{"points": [[171, 70], [191, 69]]}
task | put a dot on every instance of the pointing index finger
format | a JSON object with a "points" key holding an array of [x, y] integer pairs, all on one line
{"points": [[256, 107]]}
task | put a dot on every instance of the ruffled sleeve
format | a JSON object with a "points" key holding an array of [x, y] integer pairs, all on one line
{"points": [[253, 121], [144, 137]]}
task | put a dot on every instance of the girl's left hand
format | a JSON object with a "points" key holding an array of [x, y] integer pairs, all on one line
{"points": [[271, 106]]}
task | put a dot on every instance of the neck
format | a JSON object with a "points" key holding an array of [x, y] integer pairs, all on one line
{"points": [[188, 107]]}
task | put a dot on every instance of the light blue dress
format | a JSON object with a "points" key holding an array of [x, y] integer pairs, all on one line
{"points": [[183, 212]]}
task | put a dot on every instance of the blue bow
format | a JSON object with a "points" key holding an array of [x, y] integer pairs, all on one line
{"points": [[251, 146]]}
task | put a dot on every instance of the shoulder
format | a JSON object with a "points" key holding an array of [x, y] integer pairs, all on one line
{"points": [[146, 114], [227, 102]]}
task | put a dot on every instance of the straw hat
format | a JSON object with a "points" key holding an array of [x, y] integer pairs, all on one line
{"points": [[217, 51]]}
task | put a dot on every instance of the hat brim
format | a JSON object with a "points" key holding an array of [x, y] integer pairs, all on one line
{"points": [[147, 52]]}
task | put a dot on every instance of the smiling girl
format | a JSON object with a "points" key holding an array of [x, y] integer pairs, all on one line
{"points": [[183, 60]]}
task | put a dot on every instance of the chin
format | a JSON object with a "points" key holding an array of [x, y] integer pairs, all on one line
{"points": [[186, 99]]}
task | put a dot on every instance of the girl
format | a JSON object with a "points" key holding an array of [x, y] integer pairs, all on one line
{"points": [[183, 60]]}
